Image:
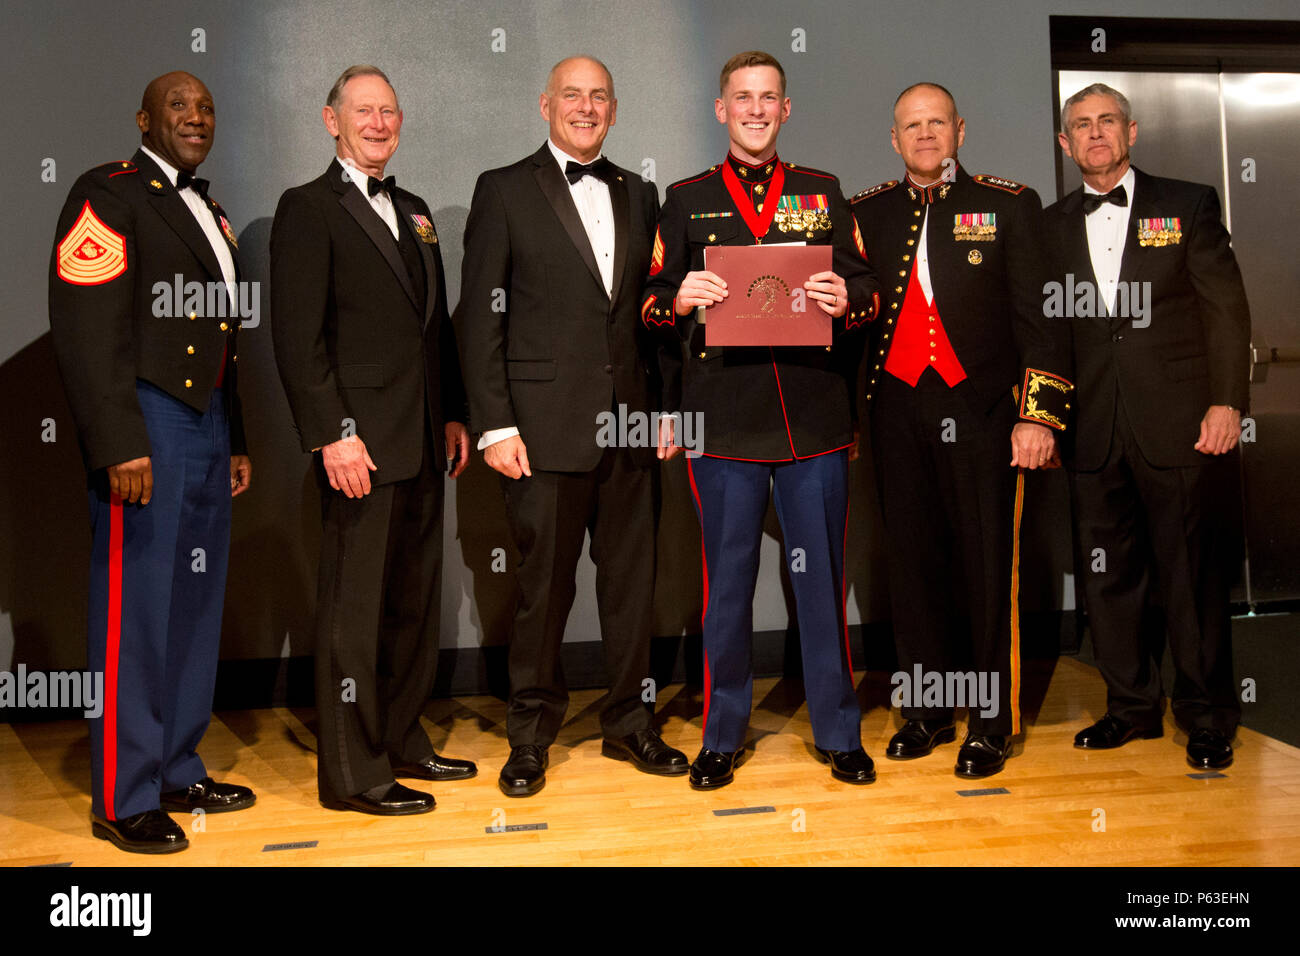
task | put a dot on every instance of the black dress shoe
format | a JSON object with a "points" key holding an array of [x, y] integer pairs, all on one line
{"points": [[149, 832], [437, 768], [982, 755], [525, 772], [386, 800], [648, 753], [713, 769], [919, 737], [1111, 732], [851, 766], [209, 796], [1209, 749]]}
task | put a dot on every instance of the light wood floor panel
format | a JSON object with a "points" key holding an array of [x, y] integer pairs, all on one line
{"points": [[602, 812]]}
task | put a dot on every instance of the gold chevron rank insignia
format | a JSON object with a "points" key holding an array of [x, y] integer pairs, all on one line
{"points": [[91, 253], [657, 256]]}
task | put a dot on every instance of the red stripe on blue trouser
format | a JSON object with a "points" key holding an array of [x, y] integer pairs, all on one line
{"points": [[170, 602]]}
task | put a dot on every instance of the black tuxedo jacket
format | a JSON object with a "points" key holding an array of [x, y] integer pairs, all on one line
{"points": [[110, 326], [1195, 351], [546, 349], [356, 346]]}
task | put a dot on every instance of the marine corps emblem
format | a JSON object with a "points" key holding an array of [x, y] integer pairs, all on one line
{"points": [[767, 288]]}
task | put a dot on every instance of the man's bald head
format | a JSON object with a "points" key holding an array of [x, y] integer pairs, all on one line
{"points": [[156, 91], [926, 86], [927, 131], [177, 119], [561, 68]]}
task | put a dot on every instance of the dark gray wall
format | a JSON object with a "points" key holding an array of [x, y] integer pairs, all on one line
{"points": [[75, 71]]}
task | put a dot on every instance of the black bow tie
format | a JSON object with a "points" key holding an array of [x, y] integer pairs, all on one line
{"points": [[184, 179], [374, 185], [600, 168], [1094, 201]]}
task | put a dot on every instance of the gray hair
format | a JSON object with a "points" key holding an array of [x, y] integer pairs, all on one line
{"points": [[361, 69], [1096, 89]]}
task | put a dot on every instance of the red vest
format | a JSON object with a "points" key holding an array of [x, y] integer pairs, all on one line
{"points": [[920, 341]]}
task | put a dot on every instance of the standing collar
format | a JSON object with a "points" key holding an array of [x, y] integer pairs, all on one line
{"points": [[755, 173], [933, 192]]}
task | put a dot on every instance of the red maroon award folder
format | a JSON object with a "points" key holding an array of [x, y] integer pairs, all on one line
{"points": [[767, 304]]}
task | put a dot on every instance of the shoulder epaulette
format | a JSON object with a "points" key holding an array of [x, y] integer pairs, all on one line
{"points": [[997, 182], [876, 190], [808, 170], [116, 168], [695, 179]]}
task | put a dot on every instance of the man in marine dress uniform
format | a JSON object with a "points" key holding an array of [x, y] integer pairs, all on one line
{"points": [[567, 234], [368, 360], [1161, 393], [966, 385], [153, 396], [773, 417]]}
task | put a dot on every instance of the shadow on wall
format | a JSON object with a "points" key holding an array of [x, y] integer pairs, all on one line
{"points": [[275, 533], [44, 518]]}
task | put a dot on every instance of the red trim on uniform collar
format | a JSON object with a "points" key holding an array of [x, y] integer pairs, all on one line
{"points": [[927, 194]]}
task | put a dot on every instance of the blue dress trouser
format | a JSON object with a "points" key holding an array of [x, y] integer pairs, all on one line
{"points": [[812, 504], [157, 587]]}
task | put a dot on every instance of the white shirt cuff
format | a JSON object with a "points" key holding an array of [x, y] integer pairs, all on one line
{"points": [[494, 435]]}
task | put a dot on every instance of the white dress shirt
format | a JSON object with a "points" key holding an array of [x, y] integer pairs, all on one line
{"points": [[1107, 230], [923, 260], [596, 210], [380, 202], [207, 221], [922, 255]]}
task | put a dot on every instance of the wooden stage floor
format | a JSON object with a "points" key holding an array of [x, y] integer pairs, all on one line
{"points": [[1130, 807]]}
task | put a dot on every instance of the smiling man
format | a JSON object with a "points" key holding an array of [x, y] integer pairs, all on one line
{"points": [[153, 397], [777, 421], [967, 389], [1161, 397], [368, 360], [566, 234]]}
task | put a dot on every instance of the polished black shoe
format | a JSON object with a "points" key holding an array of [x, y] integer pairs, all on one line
{"points": [[713, 769], [1111, 732], [648, 753], [209, 796], [982, 756], [1209, 749], [149, 832], [386, 800], [525, 772], [437, 768], [919, 737], [851, 766]]}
